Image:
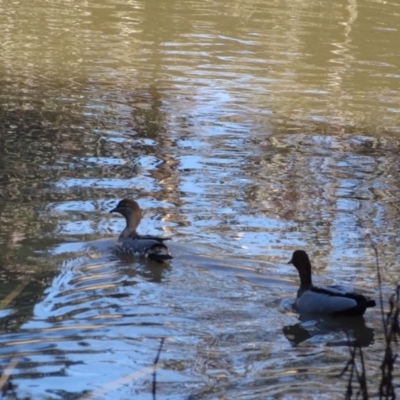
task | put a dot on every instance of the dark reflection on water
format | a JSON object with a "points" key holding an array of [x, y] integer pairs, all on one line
{"points": [[349, 330]]}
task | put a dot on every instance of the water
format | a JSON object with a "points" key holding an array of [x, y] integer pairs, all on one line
{"points": [[245, 131]]}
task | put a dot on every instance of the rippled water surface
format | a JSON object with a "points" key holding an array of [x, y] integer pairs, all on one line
{"points": [[245, 130]]}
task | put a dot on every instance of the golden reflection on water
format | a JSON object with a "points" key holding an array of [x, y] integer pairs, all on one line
{"points": [[334, 63]]}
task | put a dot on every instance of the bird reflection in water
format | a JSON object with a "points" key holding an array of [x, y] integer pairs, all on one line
{"points": [[312, 325]]}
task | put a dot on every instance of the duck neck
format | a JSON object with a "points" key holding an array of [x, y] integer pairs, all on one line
{"points": [[305, 282], [130, 228], [128, 233]]}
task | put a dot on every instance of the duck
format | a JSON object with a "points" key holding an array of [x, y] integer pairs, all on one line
{"points": [[329, 300], [130, 243]]}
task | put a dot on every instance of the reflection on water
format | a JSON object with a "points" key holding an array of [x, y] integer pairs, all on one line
{"points": [[341, 331], [245, 131]]}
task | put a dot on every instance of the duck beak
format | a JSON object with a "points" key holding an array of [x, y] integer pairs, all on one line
{"points": [[291, 261], [114, 210]]}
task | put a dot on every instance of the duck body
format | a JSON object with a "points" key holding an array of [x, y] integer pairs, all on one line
{"points": [[149, 248], [130, 243], [332, 300]]}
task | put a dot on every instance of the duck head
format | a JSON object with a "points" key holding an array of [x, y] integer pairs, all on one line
{"points": [[132, 213], [302, 263]]}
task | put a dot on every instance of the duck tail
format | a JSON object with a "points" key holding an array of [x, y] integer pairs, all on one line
{"points": [[159, 252]]}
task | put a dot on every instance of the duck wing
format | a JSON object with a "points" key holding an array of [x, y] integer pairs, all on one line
{"points": [[150, 248], [339, 289], [151, 237], [350, 293], [135, 235]]}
